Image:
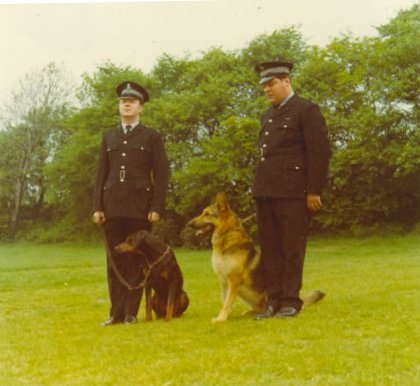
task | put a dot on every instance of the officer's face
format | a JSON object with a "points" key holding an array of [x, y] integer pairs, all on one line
{"points": [[130, 108], [277, 90]]}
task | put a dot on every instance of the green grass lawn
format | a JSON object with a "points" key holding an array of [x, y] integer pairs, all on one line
{"points": [[53, 299]]}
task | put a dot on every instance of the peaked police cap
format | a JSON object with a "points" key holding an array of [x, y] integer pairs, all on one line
{"points": [[130, 89], [269, 70]]}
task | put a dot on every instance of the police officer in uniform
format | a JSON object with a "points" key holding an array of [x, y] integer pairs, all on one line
{"points": [[129, 195], [290, 175]]}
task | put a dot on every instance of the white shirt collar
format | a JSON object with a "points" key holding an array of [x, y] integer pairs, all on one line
{"points": [[124, 125], [287, 99]]}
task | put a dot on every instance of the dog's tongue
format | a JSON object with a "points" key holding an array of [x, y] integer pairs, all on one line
{"points": [[204, 230]]}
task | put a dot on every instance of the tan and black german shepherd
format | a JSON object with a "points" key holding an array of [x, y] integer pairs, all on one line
{"points": [[235, 260]]}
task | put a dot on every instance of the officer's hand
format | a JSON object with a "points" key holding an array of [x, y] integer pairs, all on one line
{"points": [[153, 217], [98, 218], [314, 202]]}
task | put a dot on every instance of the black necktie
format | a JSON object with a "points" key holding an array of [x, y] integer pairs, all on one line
{"points": [[127, 129]]}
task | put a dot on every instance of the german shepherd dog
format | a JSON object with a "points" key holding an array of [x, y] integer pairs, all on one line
{"points": [[163, 275], [235, 260]]}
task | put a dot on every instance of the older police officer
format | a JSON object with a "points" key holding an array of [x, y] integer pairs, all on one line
{"points": [[290, 175], [129, 195]]}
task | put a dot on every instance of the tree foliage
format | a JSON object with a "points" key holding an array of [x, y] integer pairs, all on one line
{"points": [[208, 110], [31, 137]]}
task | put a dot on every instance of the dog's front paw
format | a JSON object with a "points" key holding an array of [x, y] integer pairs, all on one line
{"points": [[219, 318]]}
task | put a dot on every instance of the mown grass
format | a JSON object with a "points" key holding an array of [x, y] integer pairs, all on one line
{"points": [[365, 332]]}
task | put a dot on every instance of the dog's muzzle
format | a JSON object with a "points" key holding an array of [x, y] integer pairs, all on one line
{"points": [[201, 229]]}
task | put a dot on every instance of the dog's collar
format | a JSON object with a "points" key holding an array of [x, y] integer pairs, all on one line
{"points": [[159, 259]]}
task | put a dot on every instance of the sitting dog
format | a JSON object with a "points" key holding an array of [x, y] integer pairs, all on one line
{"points": [[163, 275], [235, 260]]}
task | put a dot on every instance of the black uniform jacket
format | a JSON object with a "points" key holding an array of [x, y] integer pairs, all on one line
{"points": [[294, 151], [133, 173]]}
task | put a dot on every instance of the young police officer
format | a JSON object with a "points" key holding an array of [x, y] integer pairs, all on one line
{"points": [[290, 175], [129, 195]]}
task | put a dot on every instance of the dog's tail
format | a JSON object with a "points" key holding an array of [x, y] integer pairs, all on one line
{"points": [[313, 297]]}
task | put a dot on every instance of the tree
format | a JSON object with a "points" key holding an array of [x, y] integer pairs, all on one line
{"points": [[208, 110], [366, 88], [226, 164], [31, 122]]}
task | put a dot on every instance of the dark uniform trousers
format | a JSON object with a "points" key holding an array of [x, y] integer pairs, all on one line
{"points": [[294, 155], [283, 228], [132, 180], [124, 301]]}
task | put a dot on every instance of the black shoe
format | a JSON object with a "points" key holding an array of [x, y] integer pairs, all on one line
{"points": [[268, 313], [112, 320], [286, 312], [130, 319]]}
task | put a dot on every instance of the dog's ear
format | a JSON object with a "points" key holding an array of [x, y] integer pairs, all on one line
{"points": [[222, 203]]}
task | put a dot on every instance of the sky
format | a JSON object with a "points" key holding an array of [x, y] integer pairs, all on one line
{"points": [[80, 36]]}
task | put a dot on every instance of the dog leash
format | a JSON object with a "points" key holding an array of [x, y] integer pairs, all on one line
{"points": [[248, 218], [154, 264], [120, 277]]}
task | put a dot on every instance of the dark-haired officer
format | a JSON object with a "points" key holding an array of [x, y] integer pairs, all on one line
{"points": [[290, 175], [129, 195]]}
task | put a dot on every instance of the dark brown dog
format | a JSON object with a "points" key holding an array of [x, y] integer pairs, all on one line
{"points": [[163, 275]]}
